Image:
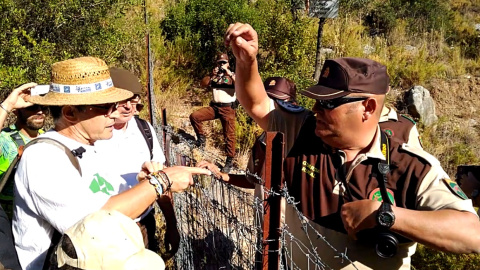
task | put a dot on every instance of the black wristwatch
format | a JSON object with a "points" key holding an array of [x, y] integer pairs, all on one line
{"points": [[385, 215]]}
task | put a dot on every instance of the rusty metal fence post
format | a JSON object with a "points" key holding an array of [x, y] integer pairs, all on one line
{"points": [[272, 204]]}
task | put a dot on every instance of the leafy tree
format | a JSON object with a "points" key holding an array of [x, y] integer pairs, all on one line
{"points": [[35, 34]]}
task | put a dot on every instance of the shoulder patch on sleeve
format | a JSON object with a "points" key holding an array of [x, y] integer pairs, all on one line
{"points": [[409, 118], [455, 188]]}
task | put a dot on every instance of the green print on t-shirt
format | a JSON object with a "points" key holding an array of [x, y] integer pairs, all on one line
{"points": [[100, 184]]}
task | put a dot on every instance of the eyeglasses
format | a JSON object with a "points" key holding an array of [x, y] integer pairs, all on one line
{"points": [[333, 103], [36, 107], [107, 108]]}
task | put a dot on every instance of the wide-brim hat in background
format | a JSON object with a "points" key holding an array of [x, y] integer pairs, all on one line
{"points": [[280, 88], [107, 240], [81, 81], [343, 76], [125, 79]]}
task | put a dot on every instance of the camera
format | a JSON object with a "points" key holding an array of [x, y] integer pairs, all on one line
{"points": [[384, 241], [386, 244], [221, 70]]}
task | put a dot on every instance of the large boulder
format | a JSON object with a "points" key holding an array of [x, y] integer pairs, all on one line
{"points": [[421, 106]]}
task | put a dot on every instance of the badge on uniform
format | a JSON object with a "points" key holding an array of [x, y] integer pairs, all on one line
{"points": [[289, 106], [389, 132], [455, 188], [376, 195]]}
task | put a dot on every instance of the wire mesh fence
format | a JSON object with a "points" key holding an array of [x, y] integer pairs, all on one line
{"points": [[222, 226]]}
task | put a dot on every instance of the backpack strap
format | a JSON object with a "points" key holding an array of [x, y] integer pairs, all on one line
{"points": [[71, 156], [146, 132]]}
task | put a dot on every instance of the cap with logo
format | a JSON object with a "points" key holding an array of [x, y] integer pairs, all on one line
{"points": [[222, 57], [107, 240], [280, 88], [343, 76]]}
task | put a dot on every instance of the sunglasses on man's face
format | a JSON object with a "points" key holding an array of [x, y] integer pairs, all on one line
{"points": [[35, 108], [107, 109], [334, 103]]}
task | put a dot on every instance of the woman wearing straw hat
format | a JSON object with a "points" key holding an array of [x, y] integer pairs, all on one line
{"points": [[51, 193]]}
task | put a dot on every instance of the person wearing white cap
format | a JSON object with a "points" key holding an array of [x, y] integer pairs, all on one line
{"points": [[56, 186], [104, 240]]}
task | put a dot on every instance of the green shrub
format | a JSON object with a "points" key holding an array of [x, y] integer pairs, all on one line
{"points": [[427, 259], [35, 34]]}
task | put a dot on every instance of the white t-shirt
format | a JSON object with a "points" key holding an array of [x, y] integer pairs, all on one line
{"points": [[50, 194], [127, 150], [224, 95]]}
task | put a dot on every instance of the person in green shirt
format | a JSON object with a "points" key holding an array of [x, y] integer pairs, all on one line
{"points": [[29, 124]]}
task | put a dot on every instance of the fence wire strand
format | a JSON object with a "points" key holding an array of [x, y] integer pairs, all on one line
{"points": [[220, 224]]}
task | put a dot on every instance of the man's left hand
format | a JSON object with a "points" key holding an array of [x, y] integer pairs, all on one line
{"points": [[359, 215], [148, 167]]}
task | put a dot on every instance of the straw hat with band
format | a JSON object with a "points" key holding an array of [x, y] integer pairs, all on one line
{"points": [[343, 76], [81, 81]]}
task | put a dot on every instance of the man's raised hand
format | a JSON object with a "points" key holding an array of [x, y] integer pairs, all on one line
{"points": [[244, 42]]}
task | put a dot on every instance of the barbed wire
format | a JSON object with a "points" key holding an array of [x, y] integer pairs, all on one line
{"points": [[221, 224]]}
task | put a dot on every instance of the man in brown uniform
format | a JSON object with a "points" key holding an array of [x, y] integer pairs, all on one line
{"points": [[399, 126], [222, 106], [347, 176]]}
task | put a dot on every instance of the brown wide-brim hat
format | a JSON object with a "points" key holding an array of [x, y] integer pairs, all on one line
{"points": [[344, 76], [81, 81]]}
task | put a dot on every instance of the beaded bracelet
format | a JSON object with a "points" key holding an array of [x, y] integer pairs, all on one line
{"points": [[156, 183], [162, 175], [5, 109]]}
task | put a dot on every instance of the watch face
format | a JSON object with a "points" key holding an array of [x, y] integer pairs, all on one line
{"points": [[386, 219], [385, 215]]}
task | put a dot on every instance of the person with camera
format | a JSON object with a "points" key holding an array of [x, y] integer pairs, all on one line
{"points": [[282, 93], [30, 120], [222, 106], [62, 177], [348, 177]]}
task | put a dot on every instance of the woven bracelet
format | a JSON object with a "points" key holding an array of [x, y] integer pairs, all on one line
{"points": [[156, 183], [166, 180], [5, 109]]}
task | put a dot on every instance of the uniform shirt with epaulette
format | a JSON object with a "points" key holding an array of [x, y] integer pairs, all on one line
{"points": [[316, 176], [400, 126]]}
